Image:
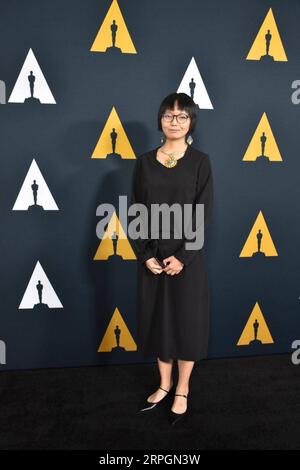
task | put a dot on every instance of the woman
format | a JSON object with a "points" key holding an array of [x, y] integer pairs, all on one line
{"points": [[173, 294]]}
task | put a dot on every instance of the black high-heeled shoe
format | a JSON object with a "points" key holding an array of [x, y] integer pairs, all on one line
{"points": [[175, 417], [148, 406]]}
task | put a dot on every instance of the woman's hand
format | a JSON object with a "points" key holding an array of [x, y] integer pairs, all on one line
{"points": [[174, 266], [153, 265]]}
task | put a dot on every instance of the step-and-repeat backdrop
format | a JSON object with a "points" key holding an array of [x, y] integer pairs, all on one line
{"points": [[80, 87]]}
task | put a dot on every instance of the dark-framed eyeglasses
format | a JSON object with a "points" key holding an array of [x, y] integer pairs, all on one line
{"points": [[181, 118]]}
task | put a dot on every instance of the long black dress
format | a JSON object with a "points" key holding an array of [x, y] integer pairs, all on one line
{"points": [[173, 311]]}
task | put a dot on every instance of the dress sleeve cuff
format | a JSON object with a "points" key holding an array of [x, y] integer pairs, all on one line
{"points": [[145, 256]]}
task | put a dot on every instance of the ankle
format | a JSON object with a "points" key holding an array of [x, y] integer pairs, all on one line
{"points": [[182, 390], [166, 385]]}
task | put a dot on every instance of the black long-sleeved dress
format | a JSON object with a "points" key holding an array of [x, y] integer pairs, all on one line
{"points": [[172, 311]]}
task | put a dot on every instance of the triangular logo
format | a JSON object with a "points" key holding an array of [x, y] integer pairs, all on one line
{"points": [[117, 336], [263, 146], [34, 194], [193, 85], [267, 45], [113, 35], [113, 141], [31, 86], [259, 242], [256, 330], [39, 294], [114, 242]]}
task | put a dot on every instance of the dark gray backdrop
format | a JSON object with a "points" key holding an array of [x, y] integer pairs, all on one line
{"points": [[62, 137]]}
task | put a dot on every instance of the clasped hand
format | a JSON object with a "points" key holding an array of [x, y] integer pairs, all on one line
{"points": [[172, 265]]}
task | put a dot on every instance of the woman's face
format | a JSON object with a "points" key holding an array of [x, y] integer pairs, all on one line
{"points": [[175, 129]]}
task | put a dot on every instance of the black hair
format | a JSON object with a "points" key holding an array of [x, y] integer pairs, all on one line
{"points": [[184, 103]]}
